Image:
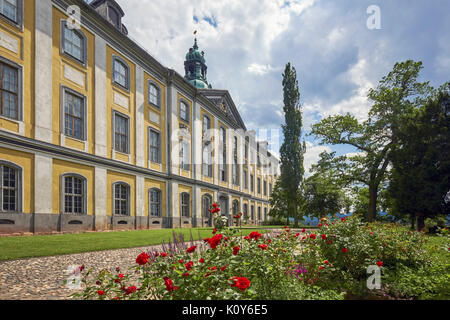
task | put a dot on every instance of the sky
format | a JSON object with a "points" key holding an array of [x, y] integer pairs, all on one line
{"points": [[338, 58]]}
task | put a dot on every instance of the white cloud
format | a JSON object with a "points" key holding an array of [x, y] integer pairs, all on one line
{"points": [[312, 155], [260, 69]]}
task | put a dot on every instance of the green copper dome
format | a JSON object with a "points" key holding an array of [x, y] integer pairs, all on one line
{"points": [[195, 67]]}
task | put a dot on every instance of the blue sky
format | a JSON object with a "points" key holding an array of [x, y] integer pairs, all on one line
{"points": [[338, 59]]}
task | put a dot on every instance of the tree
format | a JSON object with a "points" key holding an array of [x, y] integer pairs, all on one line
{"points": [[292, 150], [420, 179], [323, 191], [278, 203], [395, 97]]}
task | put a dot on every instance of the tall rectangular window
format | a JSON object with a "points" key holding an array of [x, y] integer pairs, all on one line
{"points": [[185, 157], [9, 189], [121, 72], [9, 9], [9, 90], [235, 163], [265, 188], [252, 183], [185, 205], [121, 199], [259, 185], [155, 146], [121, 133], [223, 158], [73, 195], [155, 203], [245, 179], [73, 115]]}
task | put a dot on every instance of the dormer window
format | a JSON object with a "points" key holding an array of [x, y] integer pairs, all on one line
{"points": [[114, 17]]}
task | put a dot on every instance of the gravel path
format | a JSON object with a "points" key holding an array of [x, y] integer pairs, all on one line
{"points": [[43, 278]]}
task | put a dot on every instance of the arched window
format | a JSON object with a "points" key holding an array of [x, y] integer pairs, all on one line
{"points": [[10, 187], [155, 202], [73, 43], [185, 205], [245, 211], [121, 199], [10, 9], [235, 207], [74, 194], [154, 95], [121, 73], [206, 205]]}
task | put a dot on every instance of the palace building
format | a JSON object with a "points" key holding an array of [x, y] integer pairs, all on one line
{"points": [[96, 134]]}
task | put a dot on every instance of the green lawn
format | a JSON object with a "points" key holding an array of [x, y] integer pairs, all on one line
{"points": [[13, 248]]}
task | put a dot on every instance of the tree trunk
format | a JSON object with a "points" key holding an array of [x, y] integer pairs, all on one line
{"points": [[413, 222], [295, 216], [373, 194], [420, 219]]}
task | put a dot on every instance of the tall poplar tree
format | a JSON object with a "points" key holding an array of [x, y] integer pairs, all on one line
{"points": [[292, 151]]}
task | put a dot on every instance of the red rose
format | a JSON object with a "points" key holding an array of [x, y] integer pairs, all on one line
{"points": [[142, 259], [181, 261], [223, 268], [201, 260], [319, 225], [313, 236], [191, 249], [214, 241], [241, 283], [326, 262], [343, 219], [247, 238], [380, 263], [189, 265], [324, 237], [262, 246], [163, 254], [130, 290], [321, 267], [303, 230], [344, 250], [169, 284], [214, 231], [297, 235], [101, 292], [236, 250], [215, 205], [329, 242], [185, 274], [255, 235]]}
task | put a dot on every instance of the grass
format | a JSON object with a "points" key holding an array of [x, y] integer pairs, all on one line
{"points": [[14, 248]]}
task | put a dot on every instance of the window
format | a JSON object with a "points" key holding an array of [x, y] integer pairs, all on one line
{"points": [[258, 159], [245, 211], [265, 188], [155, 146], [252, 183], [185, 157], [155, 202], [121, 73], [9, 90], [270, 188], [259, 213], [207, 147], [74, 194], [74, 115], [10, 9], [121, 133], [73, 43], [265, 214], [245, 179], [223, 158], [235, 173], [121, 199], [253, 212], [235, 207], [185, 205], [114, 17], [246, 153], [10, 179], [206, 205], [184, 111], [154, 95], [259, 185]]}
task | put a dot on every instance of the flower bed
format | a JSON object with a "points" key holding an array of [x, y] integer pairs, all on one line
{"points": [[325, 264]]}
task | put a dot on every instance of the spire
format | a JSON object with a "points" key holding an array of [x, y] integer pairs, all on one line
{"points": [[195, 67]]}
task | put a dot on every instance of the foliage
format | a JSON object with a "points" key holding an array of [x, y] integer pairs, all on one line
{"points": [[341, 251], [292, 150], [422, 161], [396, 95], [222, 267]]}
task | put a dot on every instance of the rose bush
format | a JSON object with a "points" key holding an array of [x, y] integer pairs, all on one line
{"points": [[326, 263]]}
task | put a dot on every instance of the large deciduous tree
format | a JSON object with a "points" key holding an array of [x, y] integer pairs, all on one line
{"points": [[395, 97], [292, 151], [420, 180]]}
